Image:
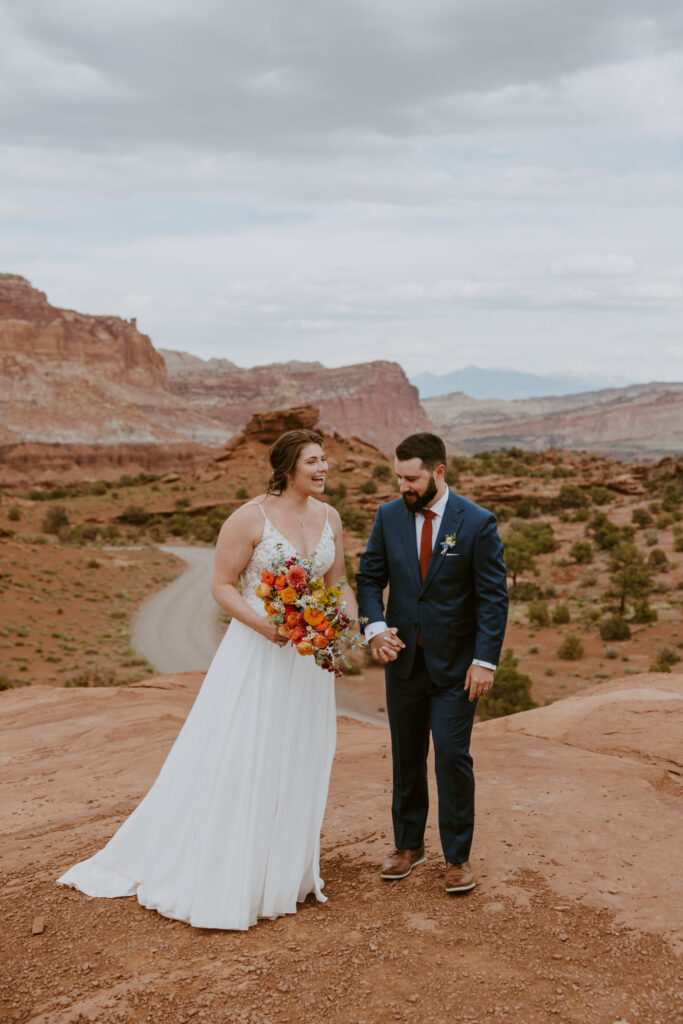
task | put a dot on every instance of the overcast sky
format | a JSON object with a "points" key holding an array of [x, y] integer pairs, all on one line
{"points": [[439, 182]]}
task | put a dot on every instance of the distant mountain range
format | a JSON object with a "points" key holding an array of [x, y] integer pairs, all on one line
{"points": [[478, 382]]}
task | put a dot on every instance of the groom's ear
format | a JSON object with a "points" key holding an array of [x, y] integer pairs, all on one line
{"points": [[439, 471]]}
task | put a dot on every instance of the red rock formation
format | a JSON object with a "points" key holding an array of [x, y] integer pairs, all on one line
{"points": [[641, 421], [371, 400]]}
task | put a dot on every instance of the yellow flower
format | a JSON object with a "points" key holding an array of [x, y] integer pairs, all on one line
{"points": [[288, 595], [313, 617]]}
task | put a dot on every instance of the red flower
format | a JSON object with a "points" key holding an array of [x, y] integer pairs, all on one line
{"points": [[267, 577], [297, 577]]}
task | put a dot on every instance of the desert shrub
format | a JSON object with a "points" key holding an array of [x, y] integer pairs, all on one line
{"points": [[98, 676], [643, 613], [571, 496], [560, 615], [538, 613], [181, 503], [242, 493], [511, 691], [157, 533], [664, 521], [382, 471], [582, 552], [658, 561], [111, 532], [611, 653], [55, 519], [349, 570], [368, 486], [672, 497], [336, 493], [518, 555], [354, 520], [602, 495], [631, 576], [651, 536], [527, 508], [615, 628], [668, 654], [571, 648], [641, 517], [678, 540], [525, 590], [561, 472], [14, 514], [203, 530], [582, 515], [606, 533], [134, 515], [98, 487], [660, 666], [179, 524], [92, 563]]}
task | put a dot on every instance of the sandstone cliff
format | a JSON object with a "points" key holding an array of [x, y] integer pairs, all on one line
{"points": [[644, 420], [371, 400]]}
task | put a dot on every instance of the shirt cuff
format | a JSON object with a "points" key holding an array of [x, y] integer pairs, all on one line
{"points": [[374, 629], [475, 661]]}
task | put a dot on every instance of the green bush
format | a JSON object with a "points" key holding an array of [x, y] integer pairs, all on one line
{"points": [[181, 503], [111, 532], [203, 530], [14, 514], [571, 648], [668, 654], [525, 590], [658, 561], [55, 519], [582, 515], [582, 552], [354, 520], [615, 628], [560, 615], [643, 613], [135, 515], [242, 493], [606, 533], [651, 536], [611, 653], [538, 613], [511, 691], [571, 496], [179, 524], [368, 486], [98, 487], [382, 471], [602, 495], [678, 540]]}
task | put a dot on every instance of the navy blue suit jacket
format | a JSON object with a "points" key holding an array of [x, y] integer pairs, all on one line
{"points": [[460, 609]]}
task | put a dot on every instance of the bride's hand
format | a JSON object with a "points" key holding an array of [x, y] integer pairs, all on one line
{"points": [[272, 632]]}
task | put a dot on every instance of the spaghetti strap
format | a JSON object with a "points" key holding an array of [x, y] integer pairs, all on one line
{"points": [[259, 504]]}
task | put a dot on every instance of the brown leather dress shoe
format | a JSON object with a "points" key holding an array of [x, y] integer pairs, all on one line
{"points": [[401, 863], [459, 877]]}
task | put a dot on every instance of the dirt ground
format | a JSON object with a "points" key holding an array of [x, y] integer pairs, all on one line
{"points": [[576, 917]]}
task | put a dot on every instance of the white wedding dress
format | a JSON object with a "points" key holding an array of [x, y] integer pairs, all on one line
{"points": [[230, 830]]}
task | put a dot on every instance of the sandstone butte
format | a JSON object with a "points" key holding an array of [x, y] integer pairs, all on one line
{"points": [[576, 917], [89, 397], [644, 421]]}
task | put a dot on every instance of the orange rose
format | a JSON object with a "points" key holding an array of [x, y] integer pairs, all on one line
{"points": [[283, 630], [312, 616], [263, 590], [280, 582], [288, 595], [329, 633], [267, 577], [317, 594], [322, 626], [293, 618], [305, 647], [297, 577], [320, 641], [296, 635]]}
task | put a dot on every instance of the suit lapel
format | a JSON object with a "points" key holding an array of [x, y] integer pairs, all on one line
{"points": [[408, 536], [450, 523]]}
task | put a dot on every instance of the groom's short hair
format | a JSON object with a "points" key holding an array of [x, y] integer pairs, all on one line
{"points": [[427, 447]]}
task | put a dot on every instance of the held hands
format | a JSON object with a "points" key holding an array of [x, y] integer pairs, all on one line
{"points": [[272, 632], [478, 681], [386, 646]]}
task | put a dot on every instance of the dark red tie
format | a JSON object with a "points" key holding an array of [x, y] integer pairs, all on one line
{"points": [[426, 541]]}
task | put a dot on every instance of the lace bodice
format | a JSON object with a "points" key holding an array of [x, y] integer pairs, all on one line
{"points": [[266, 552]]}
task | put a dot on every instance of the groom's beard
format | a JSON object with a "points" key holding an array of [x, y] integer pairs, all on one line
{"points": [[415, 502]]}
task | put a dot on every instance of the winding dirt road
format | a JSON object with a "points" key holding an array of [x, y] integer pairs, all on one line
{"points": [[179, 629]]}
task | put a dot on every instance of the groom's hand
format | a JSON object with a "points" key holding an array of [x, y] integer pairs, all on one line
{"points": [[478, 681], [386, 646]]}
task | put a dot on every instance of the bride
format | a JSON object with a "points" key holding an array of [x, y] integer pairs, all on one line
{"points": [[230, 830]]}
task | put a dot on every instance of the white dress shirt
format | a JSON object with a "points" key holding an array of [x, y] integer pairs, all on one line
{"points": [[438, 508]]}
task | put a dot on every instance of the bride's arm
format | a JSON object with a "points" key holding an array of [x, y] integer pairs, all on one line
{"points": [[235, 545], [338, 569]]}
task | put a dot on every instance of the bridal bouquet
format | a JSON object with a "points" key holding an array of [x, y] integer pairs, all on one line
{"points": [[308, 612]]}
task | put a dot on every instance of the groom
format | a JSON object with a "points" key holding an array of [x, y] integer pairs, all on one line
{"points": [[439, 637]]}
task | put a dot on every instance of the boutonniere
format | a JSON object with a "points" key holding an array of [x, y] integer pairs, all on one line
{"points": [[448, 543]]}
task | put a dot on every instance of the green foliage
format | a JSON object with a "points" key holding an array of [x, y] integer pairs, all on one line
{"points": [[602, 495], [641, 517], [607, 534], [368, 486], [527, 508], [678, 540], [560, 615], [511, 691], [525, 590], [179, 524], [518, 555], [181, 503], [111, 532], [582, 552], [582, 515], [382, 471], [539, 535], [134, 515], [349, 571], [668, 655], [242, 493], [643, 613], [538, 613], [630, 575], [354, 520], [615, 628], [673, 495], [611, 653], [336, 494], [658, 561], [14, 514], [55, 519], [571, 496], [571, 648]]}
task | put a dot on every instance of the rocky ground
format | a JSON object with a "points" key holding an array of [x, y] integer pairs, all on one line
{"points": [[575, 918]]}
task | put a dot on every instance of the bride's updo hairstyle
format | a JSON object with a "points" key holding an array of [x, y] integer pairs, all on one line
{"points": [[284, 454]]}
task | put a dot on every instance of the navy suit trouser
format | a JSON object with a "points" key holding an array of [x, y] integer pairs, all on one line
{"points": [[416, 707]]}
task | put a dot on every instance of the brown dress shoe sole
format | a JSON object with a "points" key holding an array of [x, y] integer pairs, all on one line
{"points": [[461, 888], [396, 878]]}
